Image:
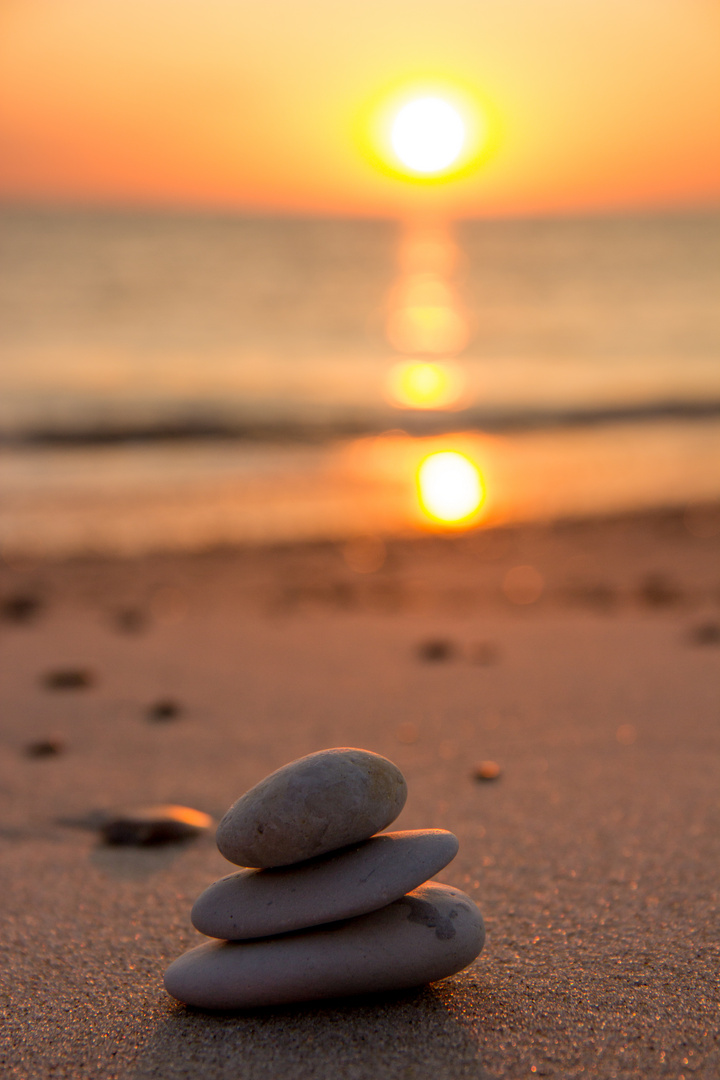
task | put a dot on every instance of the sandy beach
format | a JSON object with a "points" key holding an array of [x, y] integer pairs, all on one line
{"points": [[594, 857], [360, 389]]}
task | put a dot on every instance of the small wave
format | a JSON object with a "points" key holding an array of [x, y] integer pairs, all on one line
{"points": [[319, 431]]}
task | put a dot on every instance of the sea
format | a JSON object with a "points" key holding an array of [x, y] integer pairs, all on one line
{"points": [[178, 381]]}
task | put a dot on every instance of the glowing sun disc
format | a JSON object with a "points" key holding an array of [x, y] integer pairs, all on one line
{"points": [[428, 135], [450, 486]]}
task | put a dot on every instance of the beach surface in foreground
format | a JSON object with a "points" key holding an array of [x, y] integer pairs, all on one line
{"points": [[583, 658]]}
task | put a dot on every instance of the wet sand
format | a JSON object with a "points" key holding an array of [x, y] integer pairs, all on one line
{"points": [[594, 856]]}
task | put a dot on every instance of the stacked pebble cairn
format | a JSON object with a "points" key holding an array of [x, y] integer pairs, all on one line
{"points": [[323, 907]]}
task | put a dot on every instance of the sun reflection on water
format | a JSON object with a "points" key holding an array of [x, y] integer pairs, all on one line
{"points": [[425, 385], [450, 487], [434, 326], [426, 322]]}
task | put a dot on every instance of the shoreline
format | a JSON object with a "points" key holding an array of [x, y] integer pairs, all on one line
{"points": [[130, 500], [696, 521]]}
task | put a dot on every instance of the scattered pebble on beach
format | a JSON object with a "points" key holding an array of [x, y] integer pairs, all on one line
{"points": [[68, 679], [51, 746], [154, 825], [487, 770], [20, 607], [436, 649], [131, 620], [705, 633], [164, 709], [658, 590], [356, 919]]}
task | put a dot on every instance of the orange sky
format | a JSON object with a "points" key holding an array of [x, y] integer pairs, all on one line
{"points": [[595, 104]]}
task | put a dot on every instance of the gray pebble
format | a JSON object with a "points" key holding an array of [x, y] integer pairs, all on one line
{"points": [[432, 932], [258, 903], [154, 824], [316, 804]]}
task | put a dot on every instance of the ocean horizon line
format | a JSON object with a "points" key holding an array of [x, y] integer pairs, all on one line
{"points": [[10, 208]]}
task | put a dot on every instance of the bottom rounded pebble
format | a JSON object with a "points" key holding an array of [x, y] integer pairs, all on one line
{"points": [[430, 933]]}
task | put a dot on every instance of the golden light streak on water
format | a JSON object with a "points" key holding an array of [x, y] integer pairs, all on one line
{"points": [[188, 496], [427, 330], [450, 487], [428, 249], [425, 385]]}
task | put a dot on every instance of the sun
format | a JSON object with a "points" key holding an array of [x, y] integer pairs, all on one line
{"points": [[427, 131], [428, 135]]}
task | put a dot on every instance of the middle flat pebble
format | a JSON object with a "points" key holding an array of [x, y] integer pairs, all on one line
{"points": [[353, 881]]}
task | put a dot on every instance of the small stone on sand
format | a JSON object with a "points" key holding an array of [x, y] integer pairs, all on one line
{"points": [[706, 633], [164, 709], [154, 825], [486, 770], [20, 607], [436, 649], [131, 620], [658, 590], [68, 679], [52, 746]]}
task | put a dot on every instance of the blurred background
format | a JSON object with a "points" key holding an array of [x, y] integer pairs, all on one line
{"points": [[311, 270]]}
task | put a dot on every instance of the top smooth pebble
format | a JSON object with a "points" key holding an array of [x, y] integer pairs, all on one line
{"points": [[316, 804]]}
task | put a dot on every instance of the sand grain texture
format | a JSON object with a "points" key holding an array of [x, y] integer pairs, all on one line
{"points": [[594, 858]]}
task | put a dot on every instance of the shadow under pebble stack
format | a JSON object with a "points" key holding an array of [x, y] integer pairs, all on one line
{"points": [[323, 907]]}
